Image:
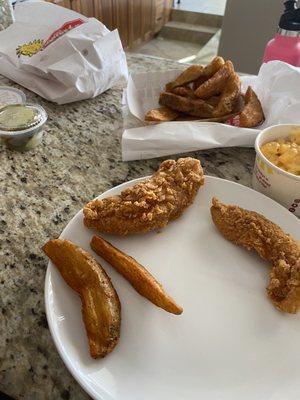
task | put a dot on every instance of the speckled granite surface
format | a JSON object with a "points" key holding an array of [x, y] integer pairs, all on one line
{"points": [[40, 191]]}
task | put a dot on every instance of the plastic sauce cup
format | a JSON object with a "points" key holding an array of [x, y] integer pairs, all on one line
{"points": [[271, 180], [21, 126]]}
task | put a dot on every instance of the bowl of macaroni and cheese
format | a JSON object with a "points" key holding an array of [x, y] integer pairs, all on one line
{"points": [[277, 165]]}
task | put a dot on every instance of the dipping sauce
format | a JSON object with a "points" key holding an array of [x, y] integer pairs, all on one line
{"points": [[17, 117], [284, 153], [21, 125]]}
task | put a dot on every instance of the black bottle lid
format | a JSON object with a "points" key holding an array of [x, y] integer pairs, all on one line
{"points": [[290, 19]]}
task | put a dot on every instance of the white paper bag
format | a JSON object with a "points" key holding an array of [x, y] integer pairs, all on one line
{"points": [[60, 54], [277, 86]]}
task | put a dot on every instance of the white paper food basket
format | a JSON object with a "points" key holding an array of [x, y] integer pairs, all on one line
{"points": [[277, 86]]}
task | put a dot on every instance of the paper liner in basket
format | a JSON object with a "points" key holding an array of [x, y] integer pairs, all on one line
{"points": [[277, 87]]}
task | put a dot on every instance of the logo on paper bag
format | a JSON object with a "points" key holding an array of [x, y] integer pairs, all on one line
{"points": [[33, 47]]}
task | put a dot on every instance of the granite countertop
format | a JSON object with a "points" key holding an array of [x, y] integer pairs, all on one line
{"points": [[41, 190]]}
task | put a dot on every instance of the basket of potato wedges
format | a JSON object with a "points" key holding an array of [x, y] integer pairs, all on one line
{"points": [[209, 94]]}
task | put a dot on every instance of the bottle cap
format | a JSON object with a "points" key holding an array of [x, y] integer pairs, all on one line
{"points": [[290, 19]]}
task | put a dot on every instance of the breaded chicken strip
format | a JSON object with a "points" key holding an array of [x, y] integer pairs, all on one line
{"points": [[255, 232], [229, 97], [196, 107], [209, 71], [252, 114], [216, 83], [150, 204]]}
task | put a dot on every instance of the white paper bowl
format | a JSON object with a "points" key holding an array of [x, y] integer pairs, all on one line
{"points": [[269, 179]]}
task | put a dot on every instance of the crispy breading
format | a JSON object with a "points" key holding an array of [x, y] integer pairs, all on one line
{"points": [[100, 303], [209, 71], [255, 232], [183, 91], [161, 114], [151, 204], [188, 75], [252, 114], [229, 97], [196, 107], [137, 275], [216, 83]]}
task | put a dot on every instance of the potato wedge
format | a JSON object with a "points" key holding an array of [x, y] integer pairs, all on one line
{"points": [[188, 75], [141, 279], [252, 115], [216, 83], [195, 107], [100, 302], [213, 101], [161, 114], [229, 97], [184, 91], [209, 71]]}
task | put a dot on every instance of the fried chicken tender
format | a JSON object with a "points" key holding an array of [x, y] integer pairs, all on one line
{"points": [[255, 232], [229, 97], [188, 75], [161, 114], [209, 71], [151, 204], [101, 308], [198, 108], [252, 114], [216, 83]]}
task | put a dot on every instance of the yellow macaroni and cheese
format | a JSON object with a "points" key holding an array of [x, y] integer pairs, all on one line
{"points": [[284, 153]]}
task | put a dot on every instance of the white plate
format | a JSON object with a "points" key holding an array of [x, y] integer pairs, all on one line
{"points": [[230, 343]]}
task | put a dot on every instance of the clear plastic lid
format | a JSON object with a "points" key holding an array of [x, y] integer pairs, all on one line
{"points": [[10, 95], [18, 117]]}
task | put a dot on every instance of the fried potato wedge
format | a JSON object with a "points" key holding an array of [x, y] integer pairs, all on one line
{"points": [[252, 114], [213, 101], [100, 303], [216, 83], [183, 91], [209, 71], [161, 114], [229, 96], [141, 279], [195, 107], [188, 75]]}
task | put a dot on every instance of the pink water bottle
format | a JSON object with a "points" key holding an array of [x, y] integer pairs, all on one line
{"points": [[286, 44]]}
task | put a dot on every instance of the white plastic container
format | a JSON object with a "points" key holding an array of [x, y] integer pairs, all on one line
{"points": [[271, 180]]}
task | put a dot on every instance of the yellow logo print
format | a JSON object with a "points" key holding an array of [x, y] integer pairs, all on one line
{"points": [[31, 48]]}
